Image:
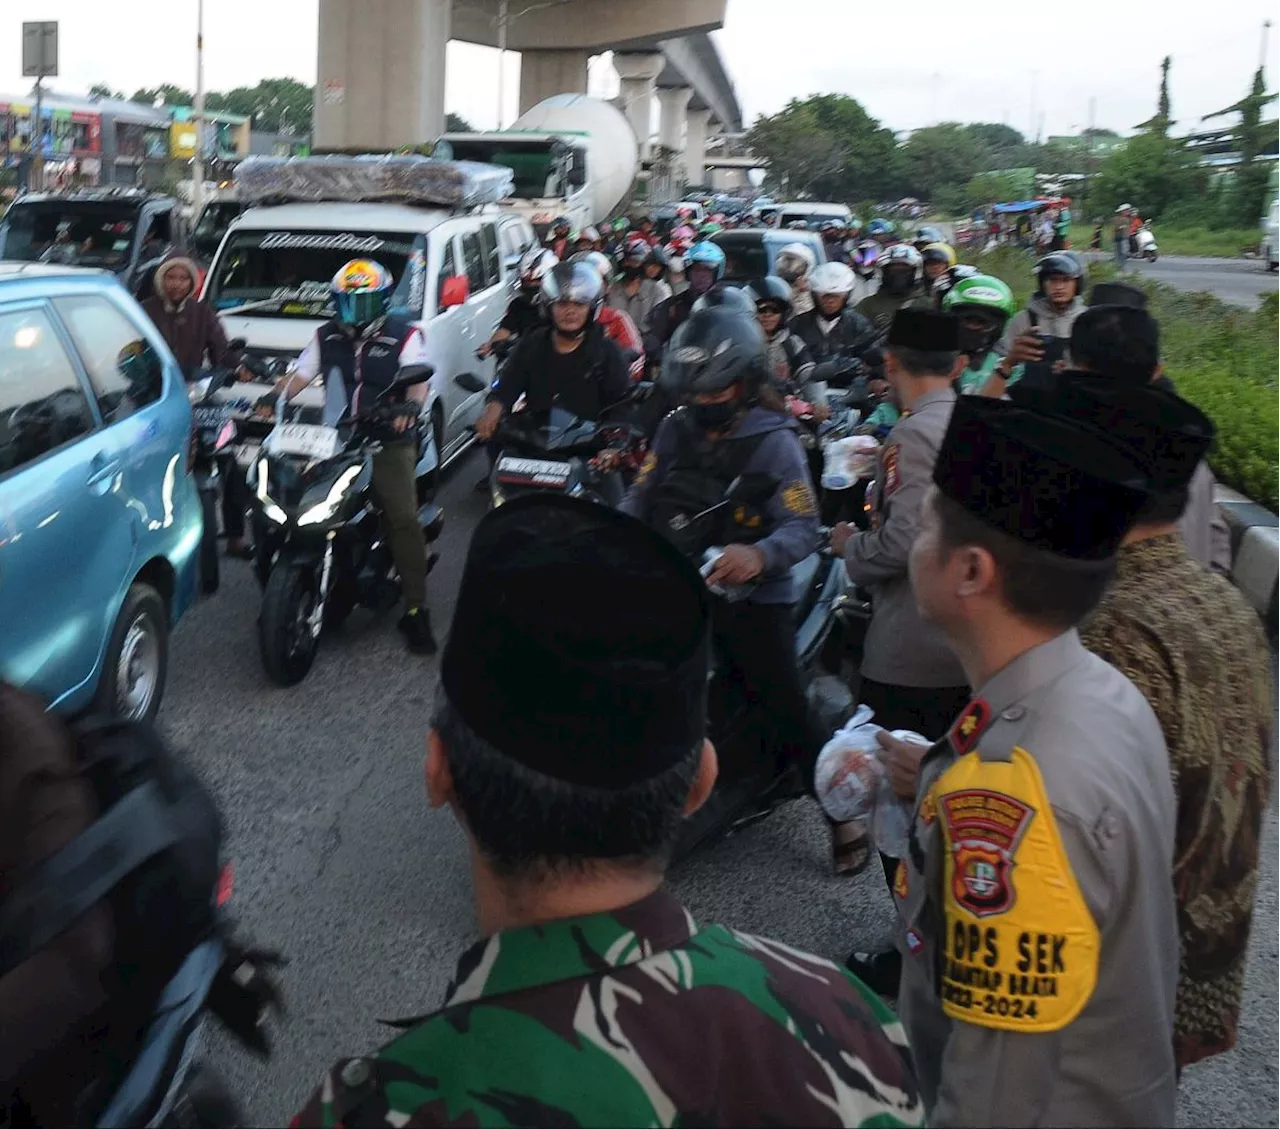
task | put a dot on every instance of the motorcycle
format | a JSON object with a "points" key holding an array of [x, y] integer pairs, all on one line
{"points": [[752, 784], [1142, 244], [557, 451], [320, 545], [213, 436]]}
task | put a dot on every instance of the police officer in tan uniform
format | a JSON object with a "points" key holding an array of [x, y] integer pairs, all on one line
{"points": [[910, 676], [1039, 937]]}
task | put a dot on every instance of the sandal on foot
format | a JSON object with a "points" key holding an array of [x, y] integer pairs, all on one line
{"points": [[850, 849]]}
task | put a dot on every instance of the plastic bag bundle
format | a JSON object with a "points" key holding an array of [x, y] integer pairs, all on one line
{"points": [[847, 775], [891, 822], [407, 179], [848, 460]]}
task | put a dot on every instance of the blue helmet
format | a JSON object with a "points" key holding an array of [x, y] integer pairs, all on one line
{"points": [[705, 254]]}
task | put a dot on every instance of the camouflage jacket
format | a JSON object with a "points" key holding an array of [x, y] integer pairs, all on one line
{"points": [[636, 1017], [1195, 649]]}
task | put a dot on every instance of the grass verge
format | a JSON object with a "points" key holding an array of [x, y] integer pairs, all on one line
{"points": [[1200, 242]]}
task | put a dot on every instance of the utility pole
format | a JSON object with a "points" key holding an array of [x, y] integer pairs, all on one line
{"points": [[1262, 55], [197, 165]]}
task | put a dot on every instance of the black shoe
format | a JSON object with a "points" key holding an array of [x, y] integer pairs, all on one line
{"points": [[415, 624], [880, 972]]}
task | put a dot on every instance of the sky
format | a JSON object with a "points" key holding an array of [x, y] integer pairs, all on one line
{"points": [[1037, 70]]}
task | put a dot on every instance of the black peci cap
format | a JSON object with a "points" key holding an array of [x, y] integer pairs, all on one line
{"points": [[1118, 294], [925, 331], [579, 645], [1166, 435], [1049, 481]]}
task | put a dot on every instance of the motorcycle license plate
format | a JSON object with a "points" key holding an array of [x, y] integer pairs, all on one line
{"points": [[305, 440], [247, 453], [532, 472], [210, 415]]}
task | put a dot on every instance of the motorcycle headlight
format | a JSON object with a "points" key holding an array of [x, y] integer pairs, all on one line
{"points": [[273, 512], [323, 511]]}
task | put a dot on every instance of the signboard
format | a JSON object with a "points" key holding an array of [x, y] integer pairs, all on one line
{"points": [[183, 140], [335, 92], [40, 49]]}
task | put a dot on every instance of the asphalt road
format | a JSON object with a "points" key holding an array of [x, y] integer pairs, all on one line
{"points": [[340, 864], [1237, 281]]}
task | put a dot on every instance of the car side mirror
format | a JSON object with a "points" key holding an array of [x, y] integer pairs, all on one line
{"points": [[752, 488], [454, 291], [413, 374], [469, 382]]}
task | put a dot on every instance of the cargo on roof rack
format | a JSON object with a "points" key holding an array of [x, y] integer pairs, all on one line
{"points": [[367, 179]]}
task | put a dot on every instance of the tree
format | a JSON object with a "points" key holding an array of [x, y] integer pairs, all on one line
{"points": [[940, 159], [1250, 138], [1002, 146], [165, 94], [455, 123], [102, 90], [1162, 121], [829, 148], [1151, 171], [275, 105]]}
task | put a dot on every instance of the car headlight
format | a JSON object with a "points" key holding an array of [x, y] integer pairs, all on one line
{"points": [[323, 511], [273, 512]]}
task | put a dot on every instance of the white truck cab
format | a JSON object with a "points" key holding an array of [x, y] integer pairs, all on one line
{"points": [[455, 272]]}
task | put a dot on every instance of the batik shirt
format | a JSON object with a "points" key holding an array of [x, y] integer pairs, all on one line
{"points": [[636, 1017]]}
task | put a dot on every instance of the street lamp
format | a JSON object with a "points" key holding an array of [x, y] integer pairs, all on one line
{"points": [[197, 166]]}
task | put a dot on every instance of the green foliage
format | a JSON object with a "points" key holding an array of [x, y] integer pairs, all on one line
{"points": [[166, 94], [455, 123], [941, 158], [102, 90], [1151, 171], [989, 187], [275, 105], [829, 148]]}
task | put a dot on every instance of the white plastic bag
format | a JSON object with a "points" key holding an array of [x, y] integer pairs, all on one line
{"points": [[846, 460], [849, 768], [891, 823]]}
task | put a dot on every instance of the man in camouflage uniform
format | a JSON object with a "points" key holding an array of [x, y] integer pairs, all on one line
{"points": [[569, 740]]}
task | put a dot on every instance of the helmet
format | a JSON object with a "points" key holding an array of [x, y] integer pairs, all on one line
{"points": [[866, 258], [591, 234], [561, 222], [944, 282], [717, 217], [535, 263], [928, 235], [983, 292], [635, 251], [794, 261], [574, 282], [1060, 262], [799, 225], [656, 254], [902, 254], [361, 291], [621, 224], [832, 278], [708, 229], [878, 227], [831, 225], [713, 349], [598, 261], [685, 211], [938, 253], [705, 254], [771, 288], [724, 296], [854, 224], [684, 233], [1126, 207]]}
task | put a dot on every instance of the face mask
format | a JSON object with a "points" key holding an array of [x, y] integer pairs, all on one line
{"points": [[976, 341], [715, 417], [896, 281]]}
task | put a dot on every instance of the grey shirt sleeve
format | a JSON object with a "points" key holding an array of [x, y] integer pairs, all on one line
{"points": [[906, 472]]}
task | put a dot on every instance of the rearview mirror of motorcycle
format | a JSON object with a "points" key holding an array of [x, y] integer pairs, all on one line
{"points": [[413, 374], [469, 382], [752, 488]]}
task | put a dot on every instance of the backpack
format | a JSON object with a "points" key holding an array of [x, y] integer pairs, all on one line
{"points": [[153, 853]]}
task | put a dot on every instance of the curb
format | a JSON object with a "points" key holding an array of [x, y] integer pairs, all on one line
{"points": [[1255, 553]]}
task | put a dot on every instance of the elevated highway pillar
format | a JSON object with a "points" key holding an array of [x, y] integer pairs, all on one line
{"points": [[638, 73], [544, 73], [695, 146]]}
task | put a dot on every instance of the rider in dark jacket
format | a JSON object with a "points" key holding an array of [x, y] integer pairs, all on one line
{"points": [[704, 267], [836, 334]]}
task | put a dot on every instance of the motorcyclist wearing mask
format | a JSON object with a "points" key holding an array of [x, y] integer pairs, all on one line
{"points": [[568, 363], [704, 267], [983, 306], [716, 367], [900, 269], [833, 236], [1037, 337], [637, 293], [358, 353], [794, 264], [836, 334], [791, 365], [943, 284], [866, 259], [558, 240], [524, 311], [936, 260]]}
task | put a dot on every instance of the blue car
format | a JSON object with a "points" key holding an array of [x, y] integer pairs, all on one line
{"points": [[100, 521]]}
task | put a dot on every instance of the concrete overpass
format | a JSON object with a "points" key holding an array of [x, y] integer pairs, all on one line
{"points": [[381, 65]]}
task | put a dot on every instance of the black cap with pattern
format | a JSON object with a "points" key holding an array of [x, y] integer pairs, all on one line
{"points": [[579, 645], [924, 330]]}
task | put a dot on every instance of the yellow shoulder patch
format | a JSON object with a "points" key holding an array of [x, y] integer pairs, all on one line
{"points": [[1020, 952], [646, 468], [798, 498]]}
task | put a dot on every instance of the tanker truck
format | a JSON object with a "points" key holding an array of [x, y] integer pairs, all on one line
{"points": [[570, 155]]}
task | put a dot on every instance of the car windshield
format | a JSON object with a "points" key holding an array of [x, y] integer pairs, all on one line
{"points": [[814, 219], [286, 274], [73, 233], [752, 255], [216, 218], [532, 163]]}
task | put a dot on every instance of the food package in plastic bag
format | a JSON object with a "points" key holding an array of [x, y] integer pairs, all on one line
{"points": [[847, 460], [891, 823], [848, 771], [408, 179]]}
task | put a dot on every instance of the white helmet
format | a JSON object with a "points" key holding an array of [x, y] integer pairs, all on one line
{"points": [[1124, 208], [901, 254], [535, 263], [599, 261], [834, 278], [794, 261]]}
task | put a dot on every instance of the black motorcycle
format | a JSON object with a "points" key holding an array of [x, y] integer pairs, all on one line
{"points": [[752, 784], [321, 548], [557, 451]]}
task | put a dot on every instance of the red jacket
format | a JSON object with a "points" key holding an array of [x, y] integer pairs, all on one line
{"points": [[621, 330]]}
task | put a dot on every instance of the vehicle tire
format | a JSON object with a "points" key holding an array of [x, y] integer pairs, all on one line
{"points": [[1273, 266], [284, 635], [430, 483], [209, 577], [137, 658], [1152, 256]]}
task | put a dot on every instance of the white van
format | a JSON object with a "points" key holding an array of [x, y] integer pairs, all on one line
{"points": [[813, 213], [270, 285], [1268, 252]]}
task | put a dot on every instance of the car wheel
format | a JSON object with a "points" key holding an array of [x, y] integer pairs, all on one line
{"points": [[137, 659]]}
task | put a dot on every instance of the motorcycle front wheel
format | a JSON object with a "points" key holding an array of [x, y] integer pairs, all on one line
{"points": [[209, 576], [285, 638]]}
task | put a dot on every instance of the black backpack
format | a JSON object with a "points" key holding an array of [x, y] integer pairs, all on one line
{"points": [[153, 853]]}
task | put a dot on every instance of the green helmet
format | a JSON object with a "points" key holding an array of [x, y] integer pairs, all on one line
{"points": [[708, 229], [621, 224], [982, 291]]}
